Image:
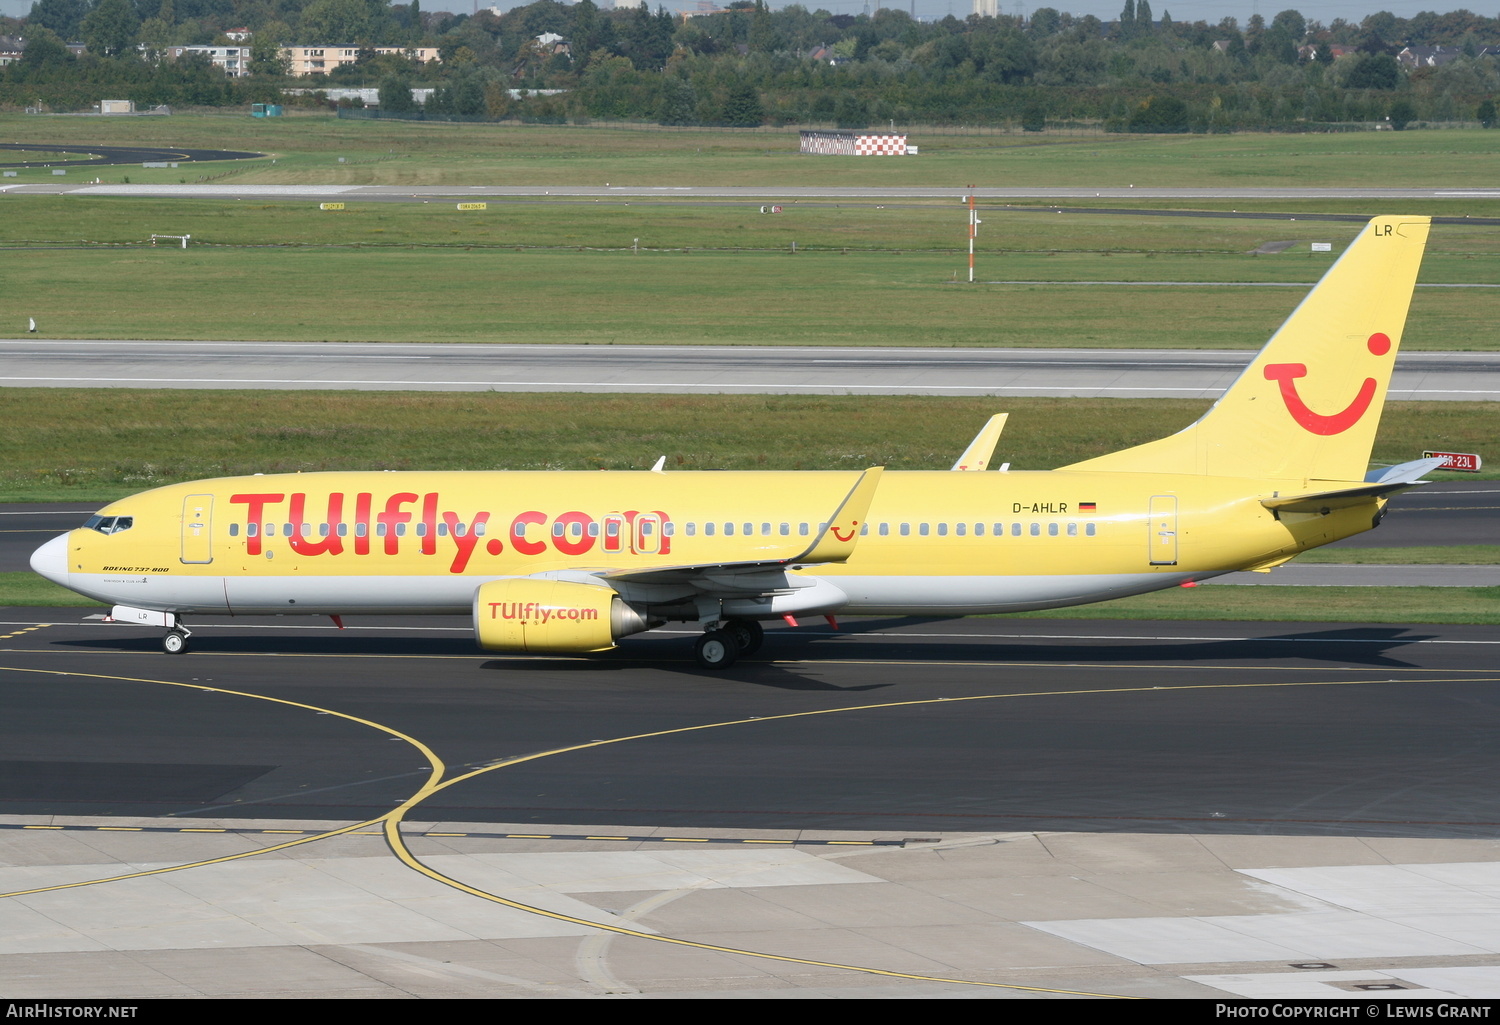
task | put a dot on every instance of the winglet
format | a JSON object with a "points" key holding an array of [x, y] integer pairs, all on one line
{"points": [[982, 449], [836, 542]]}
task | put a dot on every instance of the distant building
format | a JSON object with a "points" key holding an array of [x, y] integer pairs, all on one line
{"points": [[320, 60], [234, 61], [11, 48], [1309, 52], [1436, 56], [987, 8], [239, 35]]}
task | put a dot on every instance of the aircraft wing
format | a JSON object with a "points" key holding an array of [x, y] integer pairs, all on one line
{"points": [[834, 543]]}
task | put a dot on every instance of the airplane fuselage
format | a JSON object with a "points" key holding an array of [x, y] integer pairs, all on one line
{"points": [[932, 542]]}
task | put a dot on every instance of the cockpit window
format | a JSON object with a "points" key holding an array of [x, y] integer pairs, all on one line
{"points": [[109, 524]]}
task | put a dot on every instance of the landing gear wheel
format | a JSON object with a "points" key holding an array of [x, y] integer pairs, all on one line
{"points": [[174, 643], [716, 649], [747, 634]]}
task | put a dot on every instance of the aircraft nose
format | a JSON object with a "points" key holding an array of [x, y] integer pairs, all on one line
{"points": [[51, 560]]}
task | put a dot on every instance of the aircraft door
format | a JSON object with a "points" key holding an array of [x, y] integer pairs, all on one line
{"points": [[197, 526], [647, 534], [1163, 528]]}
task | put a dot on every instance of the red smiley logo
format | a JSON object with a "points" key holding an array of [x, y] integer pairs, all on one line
{"points": [[1286, 374], [842, 537]]}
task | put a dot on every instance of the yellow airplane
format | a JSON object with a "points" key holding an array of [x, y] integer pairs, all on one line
{"points": [[567, 562]]}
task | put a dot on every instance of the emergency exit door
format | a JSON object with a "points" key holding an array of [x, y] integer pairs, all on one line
{"points": [[1163, 525], [197, 522]]}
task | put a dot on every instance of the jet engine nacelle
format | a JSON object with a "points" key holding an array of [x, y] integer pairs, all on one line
{"points": [[537, 615]]}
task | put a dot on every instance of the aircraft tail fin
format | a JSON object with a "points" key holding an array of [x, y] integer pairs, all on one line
{"points": [[1308, 405]]}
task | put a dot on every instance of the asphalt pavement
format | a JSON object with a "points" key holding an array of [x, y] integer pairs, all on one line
{"points": [[908, 809], [670, 369]]}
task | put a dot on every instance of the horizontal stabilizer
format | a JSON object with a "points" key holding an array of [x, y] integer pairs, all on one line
{"points": [[1396, 478], [1405, 472]]}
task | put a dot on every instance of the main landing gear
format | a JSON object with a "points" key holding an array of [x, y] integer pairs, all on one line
{"points": [[720, 646]]}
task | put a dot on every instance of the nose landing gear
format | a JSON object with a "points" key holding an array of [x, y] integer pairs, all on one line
{"points": [[175, 642]]}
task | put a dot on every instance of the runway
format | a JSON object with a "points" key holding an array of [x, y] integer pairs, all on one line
{"points": [[61, 363], [211, 190], [904, 808]]}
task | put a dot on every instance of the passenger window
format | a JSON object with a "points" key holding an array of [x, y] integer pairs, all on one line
{"points": [[343, 530], [765, 530], [906, 530], [1051, 530], [1072, 530], [959, 528], [692, 529], [442, 530], [708, 530], [1015, 530], [1088, 528], [786, 529], [942, 530], [922, 529], [668, 529], [234, 530], [594, 530], [557, 529], [885, 530], [1036, 530], [802, 530], [729, 530]]}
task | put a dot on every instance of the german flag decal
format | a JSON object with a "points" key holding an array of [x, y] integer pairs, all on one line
{"points": [[1086, 507]]}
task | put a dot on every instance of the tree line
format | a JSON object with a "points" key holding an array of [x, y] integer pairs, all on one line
{"points": [[750, 65]]}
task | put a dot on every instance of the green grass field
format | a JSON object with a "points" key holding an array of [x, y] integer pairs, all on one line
{"points": [[870, 273], [608, 298], [306, 149]]}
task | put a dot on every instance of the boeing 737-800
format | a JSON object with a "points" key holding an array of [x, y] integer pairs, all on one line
{"points": [[570, 562]]}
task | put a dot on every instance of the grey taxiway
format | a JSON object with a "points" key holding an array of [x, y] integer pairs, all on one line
{"points": [[47, 362]]}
